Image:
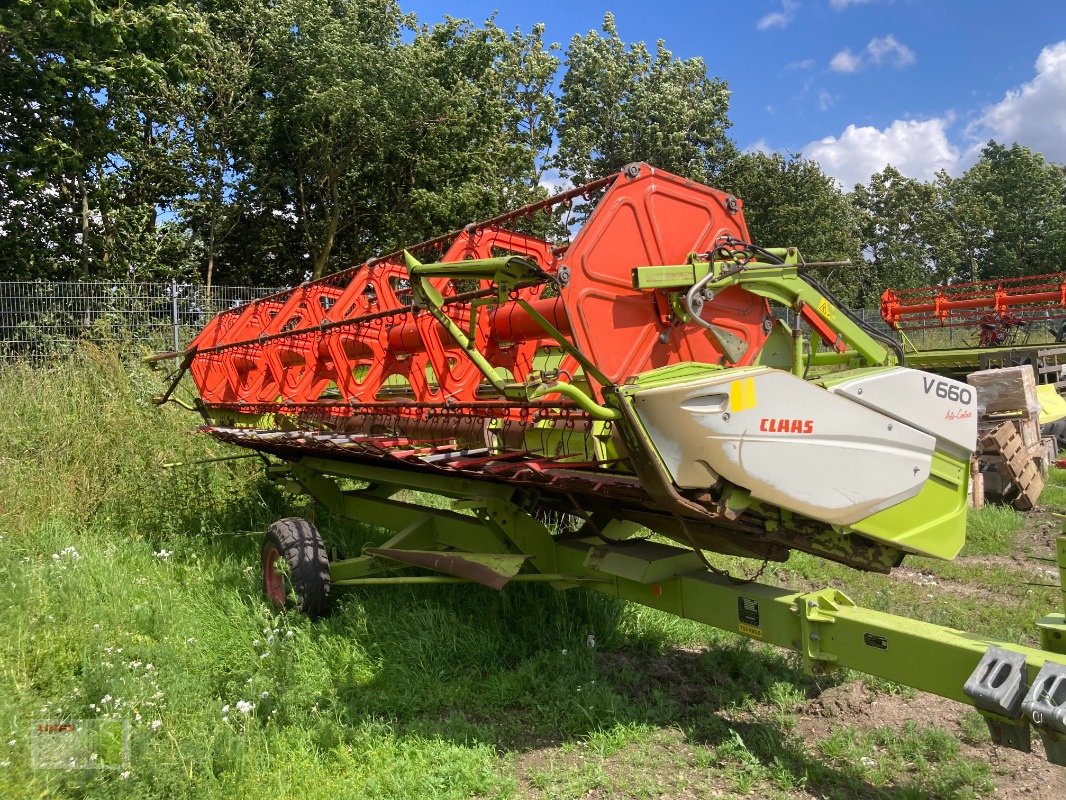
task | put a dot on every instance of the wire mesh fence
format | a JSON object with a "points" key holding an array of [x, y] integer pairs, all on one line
{"points": [[40, 321], [44, 320]]}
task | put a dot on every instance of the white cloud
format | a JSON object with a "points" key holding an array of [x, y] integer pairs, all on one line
{"points": [[890, 49], [918, 149], [840, 5], [879, 50], [1034, 114], [845, 61], [779, 19], [759, 146], [825, 100], [801, 66]]}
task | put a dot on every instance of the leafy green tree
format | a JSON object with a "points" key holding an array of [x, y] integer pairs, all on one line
{"points": [[1008, 215], [790, 202], [903, 226], [367, 132], [83, 85], [622, 103], [533, 109]]}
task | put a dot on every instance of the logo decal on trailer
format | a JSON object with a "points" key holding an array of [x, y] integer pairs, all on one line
{"points": [[786, 425]]}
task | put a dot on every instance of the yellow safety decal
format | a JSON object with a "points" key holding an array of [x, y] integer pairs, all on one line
{"points": [[750, 630], [825, 309], [742, 394]]}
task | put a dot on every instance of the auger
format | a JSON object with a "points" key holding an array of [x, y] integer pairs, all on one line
{"points": [[634, 378]]}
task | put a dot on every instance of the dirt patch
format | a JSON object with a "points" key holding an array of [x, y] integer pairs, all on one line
{"points": [[1037, 536], [1017, 774]]}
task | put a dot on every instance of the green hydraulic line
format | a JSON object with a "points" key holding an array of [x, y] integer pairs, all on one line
{"points": [[509, 273], [584, 402]]}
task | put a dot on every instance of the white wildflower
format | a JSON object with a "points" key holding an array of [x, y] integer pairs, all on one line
{"points": [[225, 708], [245, 707], [156, 724], [264, 695], [125, 775], [163, 554]]}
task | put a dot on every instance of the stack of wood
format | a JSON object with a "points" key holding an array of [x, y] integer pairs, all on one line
{"points": [[1012, 460]]}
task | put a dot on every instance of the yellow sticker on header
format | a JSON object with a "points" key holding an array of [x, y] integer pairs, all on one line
{"points": [[742, 394], [825, 309]]}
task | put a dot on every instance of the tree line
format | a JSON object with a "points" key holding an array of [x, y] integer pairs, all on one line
{"points": [[264, 141]]}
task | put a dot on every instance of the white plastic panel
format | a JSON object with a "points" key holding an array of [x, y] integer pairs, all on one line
{"points": [[945, 408], [790, 443]]}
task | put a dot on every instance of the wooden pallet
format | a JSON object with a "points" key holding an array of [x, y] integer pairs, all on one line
{"points": [[1003, 454]]}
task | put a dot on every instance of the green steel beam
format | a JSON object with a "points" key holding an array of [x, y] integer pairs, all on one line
{"points": [[824, 627], [780, 283]]}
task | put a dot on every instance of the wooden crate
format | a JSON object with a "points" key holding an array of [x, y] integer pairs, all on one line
{"points": [[1008, 468]]}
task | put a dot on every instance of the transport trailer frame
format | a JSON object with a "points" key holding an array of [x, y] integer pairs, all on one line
{"points": [[496, 535], [1047, 360]]}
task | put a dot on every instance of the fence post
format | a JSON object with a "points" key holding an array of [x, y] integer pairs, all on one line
{"points": [[174, 311]]}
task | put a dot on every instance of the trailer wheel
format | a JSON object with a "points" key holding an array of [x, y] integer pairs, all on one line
{"points": [[295, 562]]}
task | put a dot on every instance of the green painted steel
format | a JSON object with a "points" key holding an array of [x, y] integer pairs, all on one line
{"points": [[824, 627], [779, 283]]}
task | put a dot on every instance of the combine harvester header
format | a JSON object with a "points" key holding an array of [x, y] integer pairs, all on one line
{"points": [[633, 378], [993, 308]]}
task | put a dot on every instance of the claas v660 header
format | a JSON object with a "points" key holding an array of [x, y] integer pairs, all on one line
{"points": [[568, 398]]}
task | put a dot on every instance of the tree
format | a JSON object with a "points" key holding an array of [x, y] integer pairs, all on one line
{"points": [[621, 104], [367, 132], [903, 226], [1008, 215], [789, 201], [83, 84]]}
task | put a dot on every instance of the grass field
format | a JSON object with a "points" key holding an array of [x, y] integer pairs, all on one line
{"points": [[131, 591]]}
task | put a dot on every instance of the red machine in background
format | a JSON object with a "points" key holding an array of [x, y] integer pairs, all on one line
{"points": [[996, 309]]}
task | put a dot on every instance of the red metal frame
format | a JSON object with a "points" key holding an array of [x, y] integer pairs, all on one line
{"points": [[346, 340], [991, 306]]}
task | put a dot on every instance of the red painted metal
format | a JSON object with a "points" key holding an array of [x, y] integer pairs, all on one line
{"points": [[351, 343], [273, 580], [991, 307]]}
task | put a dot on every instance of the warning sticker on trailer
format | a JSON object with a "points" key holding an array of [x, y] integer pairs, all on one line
{"points": [[748, 617]]}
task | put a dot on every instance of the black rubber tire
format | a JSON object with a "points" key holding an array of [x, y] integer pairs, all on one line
{"points": [[299, 543]]}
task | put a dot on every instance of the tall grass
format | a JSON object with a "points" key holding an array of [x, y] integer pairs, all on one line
{"points": [[131, 591]]}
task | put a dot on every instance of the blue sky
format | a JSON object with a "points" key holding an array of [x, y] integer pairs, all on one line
{"points": [[854, 84]]}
